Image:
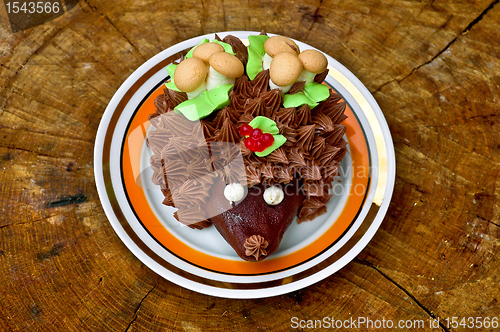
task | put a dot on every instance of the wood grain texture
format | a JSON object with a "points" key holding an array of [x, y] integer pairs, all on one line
{"points": [[433, 66]]}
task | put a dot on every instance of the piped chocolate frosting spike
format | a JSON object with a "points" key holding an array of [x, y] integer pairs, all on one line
{"points": [[255, 246]]}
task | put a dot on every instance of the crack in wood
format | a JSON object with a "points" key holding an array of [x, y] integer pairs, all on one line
{"points": [[121, 33], [45, 133], [315, 18], [225, 17], [10, 81], [134, 317], [428, 311], [486, 220], [90, 6], [467, 29], [26, 117], [116, 28], [19, 224], [77, 199], [26, 150]]}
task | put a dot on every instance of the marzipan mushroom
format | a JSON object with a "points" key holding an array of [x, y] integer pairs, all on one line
{"points": [[275, 45], [226, 64], [314, 63], [285, 69], [204, 51], [189, 76], [224, 69], [278, 44]]}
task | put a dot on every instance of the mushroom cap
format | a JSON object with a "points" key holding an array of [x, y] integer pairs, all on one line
{"points": [[190, 74], [226, 64], [313, 61], [205, 50], [285, 68], [278, 44]]}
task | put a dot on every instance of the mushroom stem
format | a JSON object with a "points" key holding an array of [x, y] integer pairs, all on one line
{"points": [[266, 61], [196, 92], [283, 89], [306, 76], [214, 79]]}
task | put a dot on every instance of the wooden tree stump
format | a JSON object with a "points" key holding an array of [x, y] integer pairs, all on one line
{"points": [[433, 66]]}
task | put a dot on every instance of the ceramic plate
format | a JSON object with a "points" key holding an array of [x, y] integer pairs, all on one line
{"points": [[201, 260]]}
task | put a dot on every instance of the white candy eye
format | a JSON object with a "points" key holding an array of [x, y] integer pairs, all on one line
{"points": [[273, 195], [234, 192]]}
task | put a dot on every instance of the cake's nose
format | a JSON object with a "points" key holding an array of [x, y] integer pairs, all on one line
{"points": [[256, 246]]}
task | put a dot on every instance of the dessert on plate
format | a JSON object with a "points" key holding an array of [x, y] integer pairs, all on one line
{"points": [[246, 138]]}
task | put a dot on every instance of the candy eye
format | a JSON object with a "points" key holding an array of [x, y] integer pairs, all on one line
{"points": [[234, 192], [273, 195]]}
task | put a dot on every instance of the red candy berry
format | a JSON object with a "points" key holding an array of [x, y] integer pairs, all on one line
{"points": [[250, 144], [259, 146], [267, 139], [256, 133], [256, 140], [246, 130]]}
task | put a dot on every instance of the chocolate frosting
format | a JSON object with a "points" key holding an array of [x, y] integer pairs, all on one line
{"points": [[256, 107], [242, 89], [284, 174], [207, 128], [194, 217], [303, 116], [272, 99], [336, 112], [187, 154], [167, 101], [324, 124], [318, 147], [335, 137], [256, 246], [311, 208], [305, 137], [319, 78], [223, 114], [169, 201], [297, 87], [331, 101], [238, 47], [245, 119], [285, 117], [296, 158], [310, 172], [254, 175], [260, 83], [227, 132], [278, 156]]}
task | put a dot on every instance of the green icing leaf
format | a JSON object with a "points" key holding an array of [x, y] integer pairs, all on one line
{"points": [[265, 124], [255, 53], [219, 96], [254, 63], [205, 103], [268, 126], [279, 140], [171, 69], [317, 92], [227, 48], [296, 100], [190, 53], [312, 94], [171, 86], [257, 43]]}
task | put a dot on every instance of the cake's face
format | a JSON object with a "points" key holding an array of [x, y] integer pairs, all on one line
{"points": [[247, 138]]}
